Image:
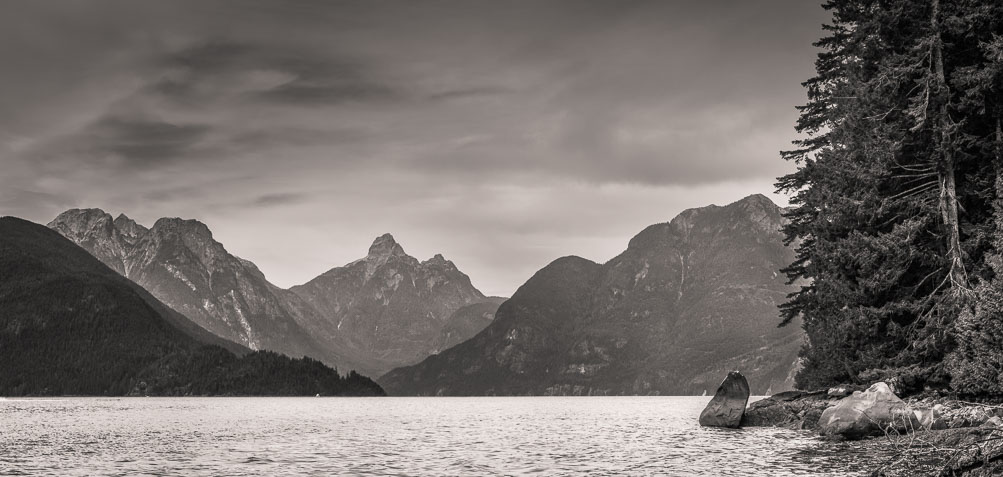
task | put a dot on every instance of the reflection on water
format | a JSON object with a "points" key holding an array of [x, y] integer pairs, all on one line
{"points": [[398, 436]]}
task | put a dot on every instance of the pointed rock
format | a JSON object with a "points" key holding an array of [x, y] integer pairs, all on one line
{"points": [[727, 406]]}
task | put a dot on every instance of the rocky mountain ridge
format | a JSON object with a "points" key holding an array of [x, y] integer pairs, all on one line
{"points": [[70, 325], [335, 318], [394, 308], [687, 299], [180, 263]]}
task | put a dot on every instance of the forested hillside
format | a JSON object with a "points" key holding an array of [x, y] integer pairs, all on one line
{"points": [[687, 300], [69, 325], [897, 200]]}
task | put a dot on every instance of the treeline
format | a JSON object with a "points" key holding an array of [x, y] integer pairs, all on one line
{"points": [[214, 371], [77, 337], [897, 201]]}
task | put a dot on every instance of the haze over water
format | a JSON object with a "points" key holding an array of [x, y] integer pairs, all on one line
{"points": [[399, 436]]}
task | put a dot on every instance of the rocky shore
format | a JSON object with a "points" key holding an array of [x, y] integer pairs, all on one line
{"points": [[922, 435]]}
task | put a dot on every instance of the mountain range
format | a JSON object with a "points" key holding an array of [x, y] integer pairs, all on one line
{"points": [[70, 325], [382, 311], [687, 301]]}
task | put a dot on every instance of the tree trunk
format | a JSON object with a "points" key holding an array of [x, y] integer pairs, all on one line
{"points": [[997, 258], [946, 162]]}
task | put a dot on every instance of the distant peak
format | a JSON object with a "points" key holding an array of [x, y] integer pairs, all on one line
{"points": [[75, 222], [438, 260], [128, 227], [384, 246], [78, 214], [757, 199], [188, 226]]}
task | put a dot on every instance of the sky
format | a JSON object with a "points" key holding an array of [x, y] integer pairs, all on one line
{"points": [[502, 134]]}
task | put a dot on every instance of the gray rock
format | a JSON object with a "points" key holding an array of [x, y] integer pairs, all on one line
{"points": [[930, 419], [872, 412], [728, 405], [994, 422], [792, 409]]}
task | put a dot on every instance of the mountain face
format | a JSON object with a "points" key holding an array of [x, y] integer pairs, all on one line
{"points": [[382, 311], [686, 302], [71, 325], [180, 263], [394, 309]]}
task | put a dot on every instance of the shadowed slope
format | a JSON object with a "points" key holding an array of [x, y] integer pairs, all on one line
{"points": [[71, 325], [686, 299]]}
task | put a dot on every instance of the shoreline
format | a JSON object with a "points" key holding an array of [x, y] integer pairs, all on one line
{"points": [[965, 439]]}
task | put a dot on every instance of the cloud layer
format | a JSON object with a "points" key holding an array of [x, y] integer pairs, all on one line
{"points": [[502, 134]]}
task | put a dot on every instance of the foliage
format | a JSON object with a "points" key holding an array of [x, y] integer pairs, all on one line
{"points": [[892, 197]]}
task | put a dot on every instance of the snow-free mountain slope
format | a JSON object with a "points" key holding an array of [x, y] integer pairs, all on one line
{"points": [[685, 299]]}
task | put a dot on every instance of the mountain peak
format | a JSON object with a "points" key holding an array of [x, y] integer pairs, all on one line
{"points": [[128, 227], [188, 226], [437, 259], [81, 215], [78, 224], [757, 200], [385, 246]]}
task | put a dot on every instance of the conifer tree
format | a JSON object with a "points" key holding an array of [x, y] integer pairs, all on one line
{"points": [[977, 364], [889, 199]]}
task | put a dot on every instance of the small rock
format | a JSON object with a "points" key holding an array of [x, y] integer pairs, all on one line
{"points": [[930, 419], [840, 391], [959, 421], [995, 421], [727, 406]]}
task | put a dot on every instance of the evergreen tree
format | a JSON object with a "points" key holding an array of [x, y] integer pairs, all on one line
{"points": [[889, 198], [977, 363]]}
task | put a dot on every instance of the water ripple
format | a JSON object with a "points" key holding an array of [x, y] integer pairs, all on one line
{"points": [[398, 436]]}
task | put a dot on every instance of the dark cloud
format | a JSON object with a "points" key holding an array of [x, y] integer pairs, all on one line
{"points": [[474, 92], [292, 137], [299, 77], [212, 56], [454, 121], [284, 198], [306, 93], [141, 141]]}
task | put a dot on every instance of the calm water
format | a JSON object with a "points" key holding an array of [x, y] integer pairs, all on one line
{"points": [[397, 436]]}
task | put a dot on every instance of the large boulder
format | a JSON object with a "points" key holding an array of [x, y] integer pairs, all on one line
{"points": [[875, 411], [728, 405]]}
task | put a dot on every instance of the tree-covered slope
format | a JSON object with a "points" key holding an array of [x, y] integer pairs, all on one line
{"points": [[71, 325], [685, 300]]}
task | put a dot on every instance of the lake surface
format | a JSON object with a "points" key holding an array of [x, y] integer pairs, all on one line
{"points": [[398, 436]]}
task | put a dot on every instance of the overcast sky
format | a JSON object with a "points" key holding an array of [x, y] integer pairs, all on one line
{"points": [[502, 134]]}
